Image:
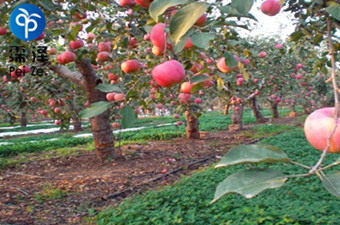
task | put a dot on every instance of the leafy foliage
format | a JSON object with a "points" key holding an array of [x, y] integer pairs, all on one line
{"points": [[302, 201]]}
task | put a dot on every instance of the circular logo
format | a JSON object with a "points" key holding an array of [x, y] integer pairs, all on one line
{"points": [[27, 22]]}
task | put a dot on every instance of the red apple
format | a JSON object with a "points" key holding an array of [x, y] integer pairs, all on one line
{"points": [[184, 98], [110, 97], [157, 35], [279, 46], [3, 31], [43, 112], [104, 47], [76, 44], [52, 103], [130, 66], [111, 76], [57, 110], [189, 44], [186, 87], [57, 122], [157, 50], [176, 116], [103, 56], [299, 66], [240, 81], [119, 97], [133, 42], [66, 57], [271, 7], [198, 100], [33, 99], [222, 66], [169, 73], [52, 51], [159, 106], [318, 127], [115, 125], [179, 123], [262, 54], [144, 3], [126, 3], [90, 37], [201, 21]]}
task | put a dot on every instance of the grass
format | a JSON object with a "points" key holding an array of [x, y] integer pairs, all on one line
{"points": [[301, 201], [37, 143]]}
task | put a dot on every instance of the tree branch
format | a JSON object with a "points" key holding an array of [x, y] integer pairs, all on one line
{"points": [[65, 72]]}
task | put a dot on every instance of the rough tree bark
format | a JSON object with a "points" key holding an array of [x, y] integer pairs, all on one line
{"points": [[100, 125], [76, 124], [192, 128], [275, 112], [257, 113], [23, 120], [236, 118]]}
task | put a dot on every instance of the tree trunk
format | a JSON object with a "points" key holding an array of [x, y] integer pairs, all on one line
{"points": [[76, 124], [100, 125], [192, 128], [226, 109], [275, 112], [23, 121], [236, 118], [257, 113]]}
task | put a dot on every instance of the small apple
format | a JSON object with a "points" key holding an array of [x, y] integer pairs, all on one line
{"points": [[57, 110], [157, 35], [271, 7], [201, 21], [130, 66], [110, 96], [115, 125], [3, 31], [262, 54]]}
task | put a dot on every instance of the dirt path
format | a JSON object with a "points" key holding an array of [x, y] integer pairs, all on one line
{"points": [[64, 190]]}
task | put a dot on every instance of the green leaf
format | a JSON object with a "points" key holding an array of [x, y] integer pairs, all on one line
{"points": [[201, 39], [95, 109], [332, 183], [196, 88], [128, 116], [296, 36], [184, 19], [338, 160], [253, 154], [242, 6], [250, 182], [158, 7], [243, 71], [199, 78], [48, 5], [108, 88], [230, 60], [180, 45], [334, 10]]}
